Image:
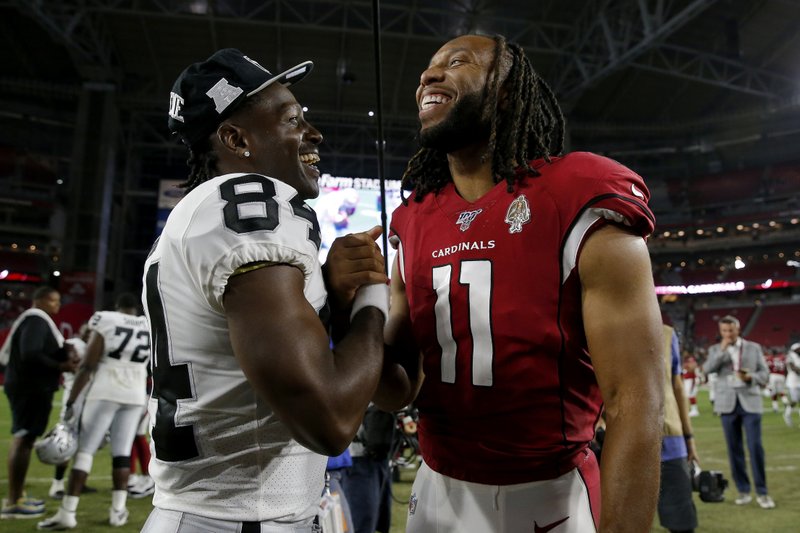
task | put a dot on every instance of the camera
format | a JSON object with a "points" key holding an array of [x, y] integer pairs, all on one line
{"points": [[711, 484]]}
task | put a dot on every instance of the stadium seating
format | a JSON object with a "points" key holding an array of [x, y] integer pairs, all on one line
{"points": [[706, 329], [777, 325]]}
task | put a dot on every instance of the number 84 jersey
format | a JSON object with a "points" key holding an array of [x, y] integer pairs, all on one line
{"points": [[509, 394], [220, 451], [121, 375]]}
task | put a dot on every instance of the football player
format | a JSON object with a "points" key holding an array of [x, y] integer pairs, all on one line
{"points": [[792, 382], [776, 362], [116, 362], [79, 344], [248, 397], [522, 291], [691, 381]]}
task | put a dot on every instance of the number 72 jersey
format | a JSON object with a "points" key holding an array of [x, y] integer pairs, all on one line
{"points": [[509, 394], [121, 376]]}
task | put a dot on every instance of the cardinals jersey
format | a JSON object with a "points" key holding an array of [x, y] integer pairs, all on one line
{"points": [[219, 450], [121, 374], [509, 395], [776, 363]]}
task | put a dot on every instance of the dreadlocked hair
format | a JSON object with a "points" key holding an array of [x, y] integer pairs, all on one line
{"points": [[528, 124], [202, 157], [202, 165]]}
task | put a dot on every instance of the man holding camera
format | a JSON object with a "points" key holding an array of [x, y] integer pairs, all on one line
{"points": [[676, 510], [742, 372]]}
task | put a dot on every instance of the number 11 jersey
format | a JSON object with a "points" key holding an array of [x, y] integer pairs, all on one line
{"points": [[509, 394]]}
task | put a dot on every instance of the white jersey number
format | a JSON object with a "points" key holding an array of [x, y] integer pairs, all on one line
{"points": [[477, 276]]}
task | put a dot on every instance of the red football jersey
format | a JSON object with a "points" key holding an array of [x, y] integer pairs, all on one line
{"points": [[509, 395], [776, 363]]}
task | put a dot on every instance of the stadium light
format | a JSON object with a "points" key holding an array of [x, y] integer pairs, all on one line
{"points": [[739, 264]]}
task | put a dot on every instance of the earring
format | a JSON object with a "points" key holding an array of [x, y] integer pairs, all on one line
{"points": [[247, 153]]}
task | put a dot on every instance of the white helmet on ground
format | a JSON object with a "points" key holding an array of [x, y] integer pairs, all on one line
{"points": [[59, 445]]}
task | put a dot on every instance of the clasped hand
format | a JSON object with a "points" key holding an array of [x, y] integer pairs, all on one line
{"points": [[353, 260]]}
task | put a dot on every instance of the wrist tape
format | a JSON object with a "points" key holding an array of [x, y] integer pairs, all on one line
{"points": [[376, 295]]}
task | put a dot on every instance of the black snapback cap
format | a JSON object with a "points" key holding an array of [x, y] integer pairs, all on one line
{"points": [[208, 92]]}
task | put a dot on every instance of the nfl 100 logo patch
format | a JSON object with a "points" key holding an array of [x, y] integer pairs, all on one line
{"points": [[465, 218]]}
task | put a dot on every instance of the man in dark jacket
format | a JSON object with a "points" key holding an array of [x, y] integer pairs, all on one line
{"points": [[36, 359]]}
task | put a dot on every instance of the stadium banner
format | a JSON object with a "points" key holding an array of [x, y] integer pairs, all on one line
{"points": [[169, 194]]}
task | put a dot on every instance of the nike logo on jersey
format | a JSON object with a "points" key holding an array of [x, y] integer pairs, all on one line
{"points": [[636, 192], [542, 529]]}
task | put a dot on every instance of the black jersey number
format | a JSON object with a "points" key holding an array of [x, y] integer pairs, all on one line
{"points": [[171, 382], [144, 344], [243, 212]]}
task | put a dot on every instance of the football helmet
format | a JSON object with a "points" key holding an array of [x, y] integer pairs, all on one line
{"points": [[58, 445]]}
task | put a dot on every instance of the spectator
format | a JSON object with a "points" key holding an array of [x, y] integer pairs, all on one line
{"points": [[336, 471], [36, 358], [676, 510], [742, 372], [368, 483]]}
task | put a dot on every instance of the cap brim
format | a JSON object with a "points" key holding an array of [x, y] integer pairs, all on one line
{"points": [[287, 77]]}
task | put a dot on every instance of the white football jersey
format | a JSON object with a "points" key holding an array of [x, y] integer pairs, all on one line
{"points": [[121, 375], [219, 450], [792, 377]]}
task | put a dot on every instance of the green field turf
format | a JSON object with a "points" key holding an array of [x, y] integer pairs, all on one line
{"points": [[783, 477]]}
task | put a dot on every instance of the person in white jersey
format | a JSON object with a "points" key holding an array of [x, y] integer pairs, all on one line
{"points": [[79, 344], [792, 382], [248, 397], [116, 363]]}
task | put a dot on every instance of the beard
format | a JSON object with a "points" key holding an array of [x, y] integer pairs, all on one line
{"points": [[466, 124]]}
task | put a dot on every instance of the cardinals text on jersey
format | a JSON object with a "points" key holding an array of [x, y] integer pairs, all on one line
{"points": [[212, 434], [509, 395]]}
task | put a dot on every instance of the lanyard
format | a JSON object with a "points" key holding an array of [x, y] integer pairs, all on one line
{"points": [[737, 360]]}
